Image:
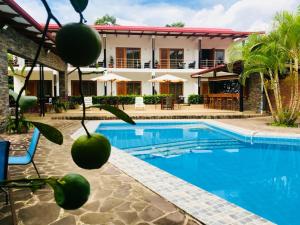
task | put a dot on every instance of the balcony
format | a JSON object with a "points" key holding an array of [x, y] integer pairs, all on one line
{"points": [[128, 63], [210, 63], [175, 64]]}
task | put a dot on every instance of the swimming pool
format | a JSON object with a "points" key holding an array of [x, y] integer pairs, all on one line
{"points": [[262, 178]]}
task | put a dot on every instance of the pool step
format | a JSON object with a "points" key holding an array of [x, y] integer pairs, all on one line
{"points": [[195, 147], [177, 143]]}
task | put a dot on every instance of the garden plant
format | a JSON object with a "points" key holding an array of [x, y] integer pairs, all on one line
{"points": [[275, 57]]}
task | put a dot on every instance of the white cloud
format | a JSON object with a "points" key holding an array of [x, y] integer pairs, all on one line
{"points": [[241, 15]]}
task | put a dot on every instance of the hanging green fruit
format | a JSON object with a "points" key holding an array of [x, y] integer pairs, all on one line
{"points": [[79, 5], [78, 44], [71, 191], [91, 152]]}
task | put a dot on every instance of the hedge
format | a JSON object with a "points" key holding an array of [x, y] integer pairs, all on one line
{"points": [[128, 99], [195, 99]]}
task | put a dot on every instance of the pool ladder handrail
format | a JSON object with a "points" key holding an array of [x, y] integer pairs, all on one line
{"points": [[252, 136]]}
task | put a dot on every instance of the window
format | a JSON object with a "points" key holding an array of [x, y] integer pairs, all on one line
{"points": [[89, 88], [212, 57], [171, 58], [219, 56], [128, 57], [33, 88], [175, 89], [134, 88], [129, 88]]}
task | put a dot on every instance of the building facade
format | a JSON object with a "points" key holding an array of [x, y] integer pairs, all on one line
{"points": [[141, 54]]}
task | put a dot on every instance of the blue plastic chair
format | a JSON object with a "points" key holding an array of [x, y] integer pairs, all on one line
{"points": [[28, 157], [4, 148]]}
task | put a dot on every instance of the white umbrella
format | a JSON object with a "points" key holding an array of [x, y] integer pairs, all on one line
{"points": [[111, 77], [167, 78]]}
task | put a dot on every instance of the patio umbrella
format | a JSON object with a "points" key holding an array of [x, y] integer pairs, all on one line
{"points": [[111, 77], [168, 78]]}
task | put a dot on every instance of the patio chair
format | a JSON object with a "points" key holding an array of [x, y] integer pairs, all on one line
{"points": [[192, 65], [147, 64], [4, 148], [167, 103], [88, 101], [139, 103], [30, 151]]}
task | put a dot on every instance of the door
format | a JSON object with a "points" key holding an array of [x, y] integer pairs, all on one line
{"points": [[164, 88], [121, 57], [164, 58], [121, 88]]}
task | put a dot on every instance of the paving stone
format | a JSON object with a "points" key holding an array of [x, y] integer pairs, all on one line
{"points": [[172, 219], [92, 206], [110, 203], [96, 218], [128, 217], [68, 220], [139, 206], [34, 215], [151, 213]]}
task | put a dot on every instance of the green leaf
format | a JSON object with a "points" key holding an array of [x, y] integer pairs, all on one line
{"points": [[117, 112], [51, 133]]}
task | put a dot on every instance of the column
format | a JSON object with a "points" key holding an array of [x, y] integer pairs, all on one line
{"points": [[153, 51], [199, 52], [104, 51], [63, 84], [4, 96]]}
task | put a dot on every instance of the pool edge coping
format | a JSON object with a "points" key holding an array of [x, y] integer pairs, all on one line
{"points": [[204, 206]]}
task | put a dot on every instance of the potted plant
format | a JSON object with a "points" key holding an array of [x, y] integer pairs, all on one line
{"points": [[59, 106]]}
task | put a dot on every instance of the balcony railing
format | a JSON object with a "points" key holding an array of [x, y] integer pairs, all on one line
{"points": [[210, 63], [128, 63], [175, 64]]}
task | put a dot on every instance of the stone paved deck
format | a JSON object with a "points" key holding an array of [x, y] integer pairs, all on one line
{"points": [[116, 198]]}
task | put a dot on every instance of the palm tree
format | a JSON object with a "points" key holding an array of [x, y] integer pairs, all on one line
{"points": [[275, 56], [287, 27]]}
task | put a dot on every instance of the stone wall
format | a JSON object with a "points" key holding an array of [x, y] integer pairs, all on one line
{"points": [[17, 44], [252, 94], [21, 46], [4, 98]]}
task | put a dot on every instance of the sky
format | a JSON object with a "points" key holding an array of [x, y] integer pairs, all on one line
{"points": [[242, 15]]}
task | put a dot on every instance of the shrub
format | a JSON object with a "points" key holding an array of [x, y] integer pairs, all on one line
{"points": [[126, 99], [195, 99]]}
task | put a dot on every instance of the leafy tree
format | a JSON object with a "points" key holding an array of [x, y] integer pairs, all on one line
{"points": [[106, 20], [275, 56], [176, 24]]}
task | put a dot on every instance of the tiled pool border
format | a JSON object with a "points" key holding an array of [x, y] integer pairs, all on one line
{"points": [[204, 206]]}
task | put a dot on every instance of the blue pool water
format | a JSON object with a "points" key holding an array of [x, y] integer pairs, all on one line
{"points": [[262, 178]]}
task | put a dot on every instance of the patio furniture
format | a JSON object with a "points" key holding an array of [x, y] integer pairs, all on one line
{"points": [[4, 148], [167, 103], [192, 65], [88, 101], [30, 151], [147, 65], [139, 103], [181, 65]]}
